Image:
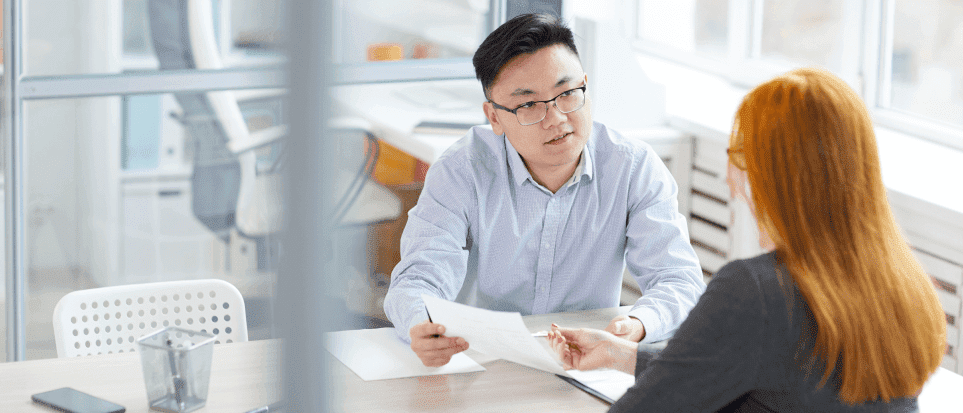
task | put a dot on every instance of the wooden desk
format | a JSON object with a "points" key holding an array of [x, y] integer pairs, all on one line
{"points": [[246, 375], [505, 386], [243, 376]]}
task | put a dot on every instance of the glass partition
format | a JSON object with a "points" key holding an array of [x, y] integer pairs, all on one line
{"points": [[66, 37], [137, 189], [384, 30]]}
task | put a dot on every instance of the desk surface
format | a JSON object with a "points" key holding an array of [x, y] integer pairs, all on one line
{"points": [[243, 376], [246, 375], [503, 387]]}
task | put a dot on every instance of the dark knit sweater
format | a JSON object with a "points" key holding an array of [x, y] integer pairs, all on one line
{"points": [[744, 347]]}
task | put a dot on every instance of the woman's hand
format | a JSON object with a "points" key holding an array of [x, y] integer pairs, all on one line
{"points": [[590, 349]]}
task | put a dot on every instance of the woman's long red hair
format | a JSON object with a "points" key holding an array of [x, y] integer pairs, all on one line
{"points": [[812, 163]]}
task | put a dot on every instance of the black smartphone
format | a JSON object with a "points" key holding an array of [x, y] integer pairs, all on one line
{"points": [[72, 401]]}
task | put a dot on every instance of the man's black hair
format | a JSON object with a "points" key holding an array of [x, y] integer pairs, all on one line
{"points": [[525, 33]]}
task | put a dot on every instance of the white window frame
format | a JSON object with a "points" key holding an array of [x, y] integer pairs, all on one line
{"points": [[869, 27]]}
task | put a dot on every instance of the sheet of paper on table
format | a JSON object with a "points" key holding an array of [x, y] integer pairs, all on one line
{"points": [[378, 354], [496, 333], [611, 383]]}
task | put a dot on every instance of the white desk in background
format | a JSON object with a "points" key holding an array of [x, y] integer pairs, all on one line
{"points": [[394, 109]]}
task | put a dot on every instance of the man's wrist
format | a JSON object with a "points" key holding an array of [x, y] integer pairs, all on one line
{"points": [[641, 327]]}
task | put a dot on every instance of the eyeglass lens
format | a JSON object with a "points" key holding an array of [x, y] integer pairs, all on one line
{"points": [[569, 101]]}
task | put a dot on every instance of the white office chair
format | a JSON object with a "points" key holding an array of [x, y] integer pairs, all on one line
{"points": [[111, 319]]}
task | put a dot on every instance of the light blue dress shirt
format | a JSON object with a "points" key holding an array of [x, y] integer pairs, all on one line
{"points": [[484, 233]]}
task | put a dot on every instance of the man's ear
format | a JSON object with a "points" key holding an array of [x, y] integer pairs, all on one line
{"points": [[492, 119]]}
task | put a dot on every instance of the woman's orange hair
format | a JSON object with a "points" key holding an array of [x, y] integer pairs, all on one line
{"points": [[807, 145]]}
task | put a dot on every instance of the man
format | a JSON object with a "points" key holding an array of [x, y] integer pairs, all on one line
{"points": [[542, 211]]}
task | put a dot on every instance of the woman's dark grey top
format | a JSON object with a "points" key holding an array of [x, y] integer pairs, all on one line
{"points": [[744, 347]]}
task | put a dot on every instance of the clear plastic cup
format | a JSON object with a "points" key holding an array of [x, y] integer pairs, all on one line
{"points": [[177, 368]]}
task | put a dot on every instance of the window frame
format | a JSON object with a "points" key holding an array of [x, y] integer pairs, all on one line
{"points": [[870, 30]]}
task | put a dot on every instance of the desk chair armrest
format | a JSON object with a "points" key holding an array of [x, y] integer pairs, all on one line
{"points": [[258, 139]]}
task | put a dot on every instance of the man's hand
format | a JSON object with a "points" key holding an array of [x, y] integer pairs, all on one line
{"points": [[432, 346], [627, 327], [590, 349]]}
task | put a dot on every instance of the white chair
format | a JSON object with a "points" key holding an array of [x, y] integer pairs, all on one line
{"points": [[111, 319]]}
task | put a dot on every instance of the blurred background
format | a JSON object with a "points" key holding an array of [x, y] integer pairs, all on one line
{"points": [[126, 183]]}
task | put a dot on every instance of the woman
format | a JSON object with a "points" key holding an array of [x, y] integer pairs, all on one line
{"points": [[839, 316]]}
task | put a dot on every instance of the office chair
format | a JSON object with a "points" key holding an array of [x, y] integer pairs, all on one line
{"points": [[231, 187], [111, 319]]}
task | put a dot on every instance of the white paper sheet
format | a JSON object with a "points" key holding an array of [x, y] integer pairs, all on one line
{"points": [[496, 333], [612, 383], [378, 354]]}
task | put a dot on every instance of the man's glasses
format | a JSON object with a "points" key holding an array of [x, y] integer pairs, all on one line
{"points": [[530, 113]]}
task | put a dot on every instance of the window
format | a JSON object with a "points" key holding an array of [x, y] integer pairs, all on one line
{"points": [[902, 56], [927, 60], [694, 26], [806, 32]]}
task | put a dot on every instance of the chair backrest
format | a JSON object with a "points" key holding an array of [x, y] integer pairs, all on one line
{"points": [[227, 189], [111, 319], [217, 171]]}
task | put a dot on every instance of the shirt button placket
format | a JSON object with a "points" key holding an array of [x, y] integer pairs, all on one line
{"points": [[546, 257]]}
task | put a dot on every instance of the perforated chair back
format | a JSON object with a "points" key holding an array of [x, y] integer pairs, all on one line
{"points": [[111, 319]]}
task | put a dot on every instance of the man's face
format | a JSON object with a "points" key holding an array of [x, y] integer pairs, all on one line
{"points": [[557, 140]]}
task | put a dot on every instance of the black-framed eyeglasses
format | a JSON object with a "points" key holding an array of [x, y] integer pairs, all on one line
{"points": [[530, 113]]}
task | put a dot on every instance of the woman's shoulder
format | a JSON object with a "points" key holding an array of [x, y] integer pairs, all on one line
{"points": [[762, 269], [761, 276]]}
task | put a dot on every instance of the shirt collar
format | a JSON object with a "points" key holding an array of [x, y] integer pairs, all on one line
{"points": [[520, 172]]}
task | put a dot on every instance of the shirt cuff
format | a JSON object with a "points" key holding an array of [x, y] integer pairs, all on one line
{"points": [[404, 330], [654, 329]]}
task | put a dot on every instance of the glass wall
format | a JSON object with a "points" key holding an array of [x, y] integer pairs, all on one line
{"points": [[66, 37], [118, 189], [112, 198], [386, 30], [137, 188]]}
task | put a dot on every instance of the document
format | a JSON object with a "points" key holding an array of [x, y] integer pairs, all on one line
{"points": [[378, 354], [612, 384], [496, 333]]}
